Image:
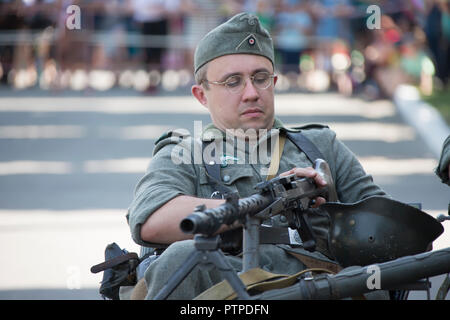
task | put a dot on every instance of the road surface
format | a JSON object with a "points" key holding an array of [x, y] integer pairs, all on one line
{"points": [[68, 167]]}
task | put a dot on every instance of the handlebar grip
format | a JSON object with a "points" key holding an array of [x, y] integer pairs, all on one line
{"points": [[322, 168]]}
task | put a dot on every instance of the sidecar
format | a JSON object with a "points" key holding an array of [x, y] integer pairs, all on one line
{"points": [[377, 230]]}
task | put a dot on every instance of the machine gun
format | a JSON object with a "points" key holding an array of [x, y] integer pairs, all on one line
{"points": [[288, 195], [373, 230]]}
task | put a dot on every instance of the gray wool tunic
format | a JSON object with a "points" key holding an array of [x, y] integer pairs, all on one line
{"points": [[176, 169]]}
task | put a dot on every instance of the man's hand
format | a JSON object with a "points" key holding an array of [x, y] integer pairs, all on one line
{"points": [[309, 172], [163, 226]]}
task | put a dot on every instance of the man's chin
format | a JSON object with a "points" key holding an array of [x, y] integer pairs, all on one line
{"points": [[256, 124]]}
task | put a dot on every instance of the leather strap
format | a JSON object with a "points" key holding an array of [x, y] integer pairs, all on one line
{"points": [[301, 142], [306, 145], [311, 262], [255, 279], [114, 262], [140, 290]]}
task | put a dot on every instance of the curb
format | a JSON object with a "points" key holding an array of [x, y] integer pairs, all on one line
{"points": [[424, 118]]}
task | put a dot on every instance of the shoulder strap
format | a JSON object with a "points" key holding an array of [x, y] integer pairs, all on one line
{"points": [[276, 156], [304, 144], [298, 138]]}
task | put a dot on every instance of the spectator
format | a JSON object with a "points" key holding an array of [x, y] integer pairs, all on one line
{"points": [[11, 19], [333, 20], [293, 27], [151, 15], [200, 16], [112, 20]]}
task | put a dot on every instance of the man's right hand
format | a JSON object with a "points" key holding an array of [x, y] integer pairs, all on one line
{"points": [[163, 225], [309, 172]]}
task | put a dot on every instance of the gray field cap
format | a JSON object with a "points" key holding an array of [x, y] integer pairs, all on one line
{"points": [[242, 33]]}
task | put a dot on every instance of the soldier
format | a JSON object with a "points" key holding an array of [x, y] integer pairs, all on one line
{"points": [[443, 169], [234, 71]]}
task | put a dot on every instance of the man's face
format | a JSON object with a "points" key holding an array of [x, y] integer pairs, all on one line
{"points": [[252, 108]]}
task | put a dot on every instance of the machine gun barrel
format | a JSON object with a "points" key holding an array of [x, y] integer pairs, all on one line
{"points": [[208, 221], [355, 281]]}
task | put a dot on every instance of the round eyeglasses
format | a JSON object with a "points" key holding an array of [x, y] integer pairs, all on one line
{"points": [[236, 83]]}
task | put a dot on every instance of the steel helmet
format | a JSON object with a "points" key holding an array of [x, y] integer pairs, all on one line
{"points": [[378, 229]]}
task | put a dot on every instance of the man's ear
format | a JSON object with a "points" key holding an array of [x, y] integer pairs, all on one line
{"points": [[199, 93], [275, 78]]}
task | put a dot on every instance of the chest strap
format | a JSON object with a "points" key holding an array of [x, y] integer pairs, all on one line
{"points": [[213, 166], [305, 145]]}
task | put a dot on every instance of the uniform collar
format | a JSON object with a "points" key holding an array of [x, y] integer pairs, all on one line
{"points": [[211, 132]]}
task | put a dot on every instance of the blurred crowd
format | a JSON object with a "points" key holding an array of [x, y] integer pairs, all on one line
{"points": [[148, 45]]}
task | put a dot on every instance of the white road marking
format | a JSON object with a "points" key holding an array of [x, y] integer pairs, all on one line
{"points": [[398, 167], [42, 132], [298, 104], [35, 167]]}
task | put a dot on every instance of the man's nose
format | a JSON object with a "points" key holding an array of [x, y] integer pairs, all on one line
{"points": [[250, 92]]}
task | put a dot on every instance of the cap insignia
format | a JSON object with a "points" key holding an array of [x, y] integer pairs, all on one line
{"points": [[251, 19]]}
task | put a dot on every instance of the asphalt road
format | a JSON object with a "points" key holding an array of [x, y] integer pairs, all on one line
{"points": [[68, 167]]}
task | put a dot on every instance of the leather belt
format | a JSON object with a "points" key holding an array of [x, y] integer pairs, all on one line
{"points": [[277, 235]]}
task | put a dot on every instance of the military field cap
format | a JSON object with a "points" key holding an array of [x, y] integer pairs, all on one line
{"points": [[242, 33]]}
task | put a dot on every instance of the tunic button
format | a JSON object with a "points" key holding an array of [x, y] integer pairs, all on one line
{"points": [[226, 178]]}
